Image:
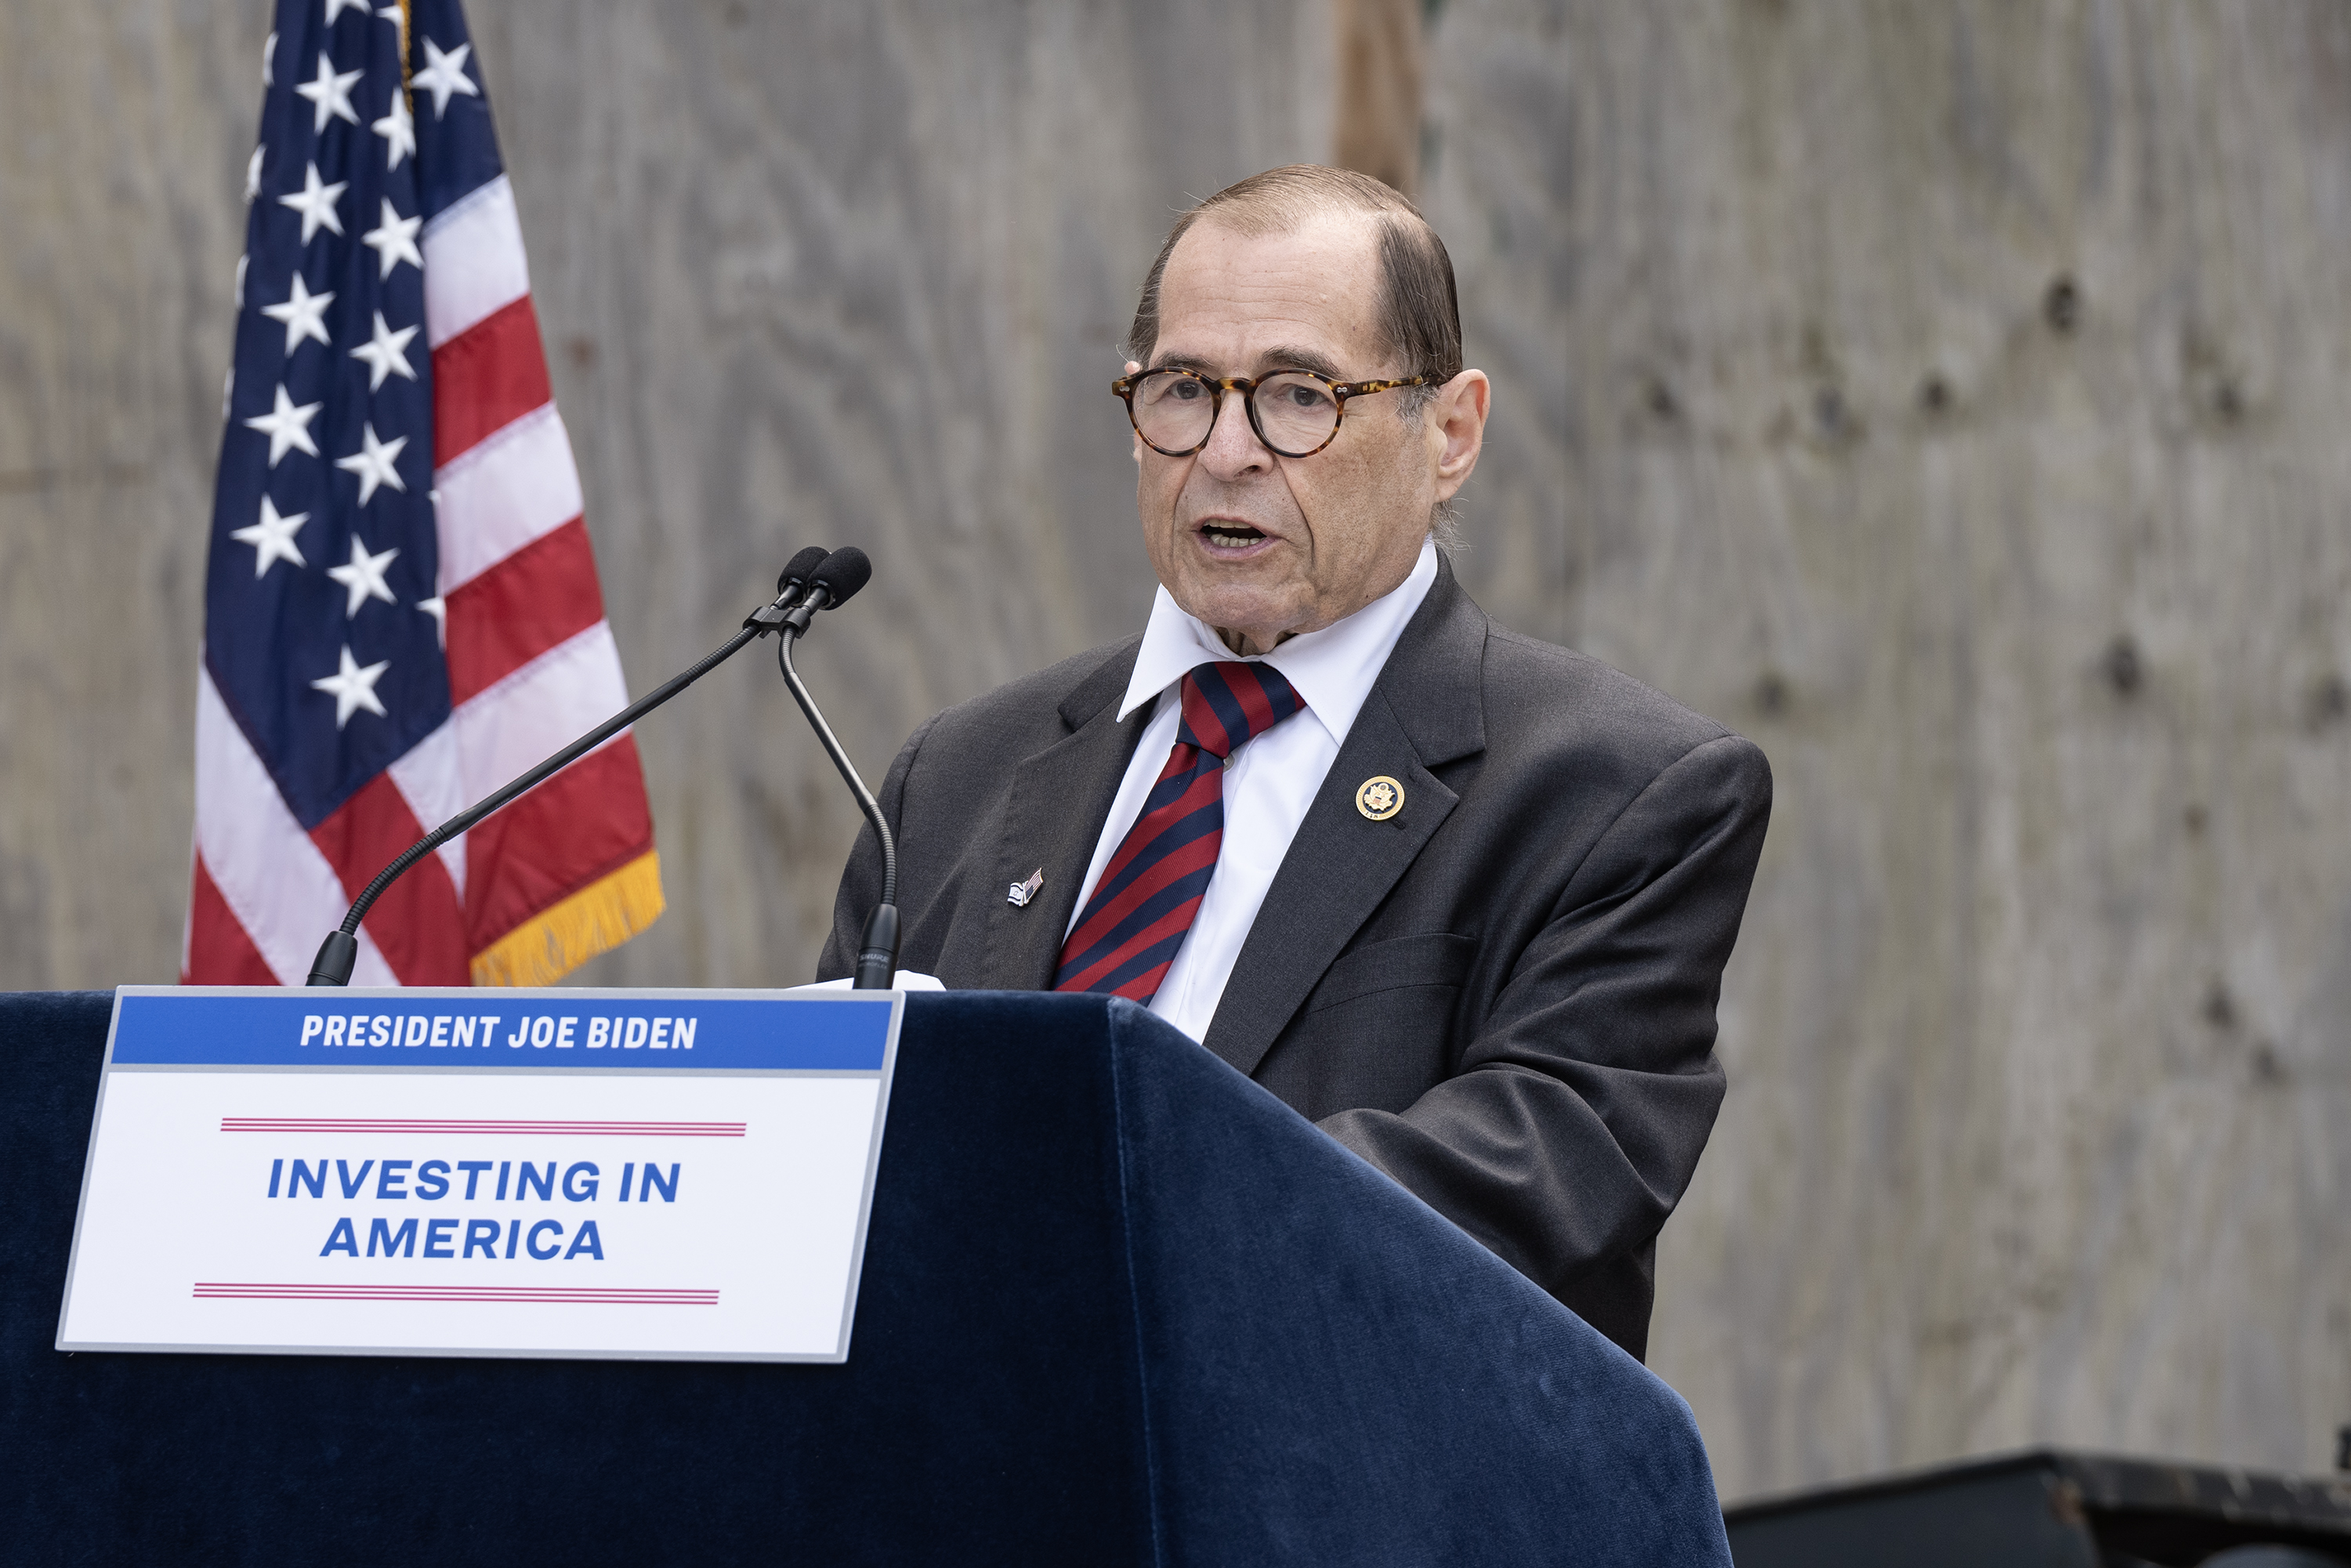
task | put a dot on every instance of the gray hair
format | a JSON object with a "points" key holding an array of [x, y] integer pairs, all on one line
{"points": [[1445, 527], [1419, 315]]}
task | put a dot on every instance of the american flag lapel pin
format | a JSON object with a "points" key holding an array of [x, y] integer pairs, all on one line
{"points": [[1020, 893]]}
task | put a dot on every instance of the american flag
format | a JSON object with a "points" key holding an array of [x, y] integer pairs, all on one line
{"points": [[402, 610]]}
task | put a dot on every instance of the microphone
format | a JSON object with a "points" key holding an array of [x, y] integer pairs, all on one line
{"points": [[340, 950], [790, 584], [830, 586], [842, 574], [796, 570]]}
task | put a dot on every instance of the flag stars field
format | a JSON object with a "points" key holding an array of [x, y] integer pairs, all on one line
{"points": [[363, 577], [394, 240], [331, 92], [443, 76], [287, 425], [353, 687], [373, 463], [398, 128], [272, 538], [303, 312], [383, 355], [316, 202]]}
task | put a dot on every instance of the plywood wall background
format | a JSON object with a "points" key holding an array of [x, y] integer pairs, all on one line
{"points": [[1951, 397]]}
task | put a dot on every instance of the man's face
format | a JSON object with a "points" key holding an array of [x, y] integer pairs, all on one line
{"points": [[1262, 546]]}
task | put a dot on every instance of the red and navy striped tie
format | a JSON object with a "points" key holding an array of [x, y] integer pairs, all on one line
{"points": [[1152, 887]]}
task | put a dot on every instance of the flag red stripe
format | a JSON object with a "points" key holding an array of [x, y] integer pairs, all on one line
{"points": [[416, 923], [219, 951], [585, 823], [485, 378], [607, 1295], [452, 1125], [538, 598]]}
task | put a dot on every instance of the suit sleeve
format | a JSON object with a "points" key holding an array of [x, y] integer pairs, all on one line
{"points": [[861, 879], [1580, 1105]]}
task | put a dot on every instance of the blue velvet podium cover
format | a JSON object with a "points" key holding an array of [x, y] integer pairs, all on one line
{"points": [[1120, 1305]]}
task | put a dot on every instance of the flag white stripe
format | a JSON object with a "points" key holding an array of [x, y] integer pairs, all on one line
{"points": [[542, 707], [577, 681], [430, 779], [276, 882], [507, 489], [474, 261]]}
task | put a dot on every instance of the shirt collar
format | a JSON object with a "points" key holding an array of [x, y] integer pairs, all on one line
{"points": [[1332, 669]]}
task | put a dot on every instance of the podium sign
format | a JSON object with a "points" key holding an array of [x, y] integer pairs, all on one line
{"points": [[663, 1174]]}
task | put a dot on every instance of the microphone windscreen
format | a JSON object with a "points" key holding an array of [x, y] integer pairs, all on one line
{"points": [[800, 566], [844, 571]]}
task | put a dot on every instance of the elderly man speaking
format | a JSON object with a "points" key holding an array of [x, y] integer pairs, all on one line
{"points": [[1460, 897]]}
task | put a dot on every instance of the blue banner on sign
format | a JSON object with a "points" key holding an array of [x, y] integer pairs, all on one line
{"points": [[573, 1030]]}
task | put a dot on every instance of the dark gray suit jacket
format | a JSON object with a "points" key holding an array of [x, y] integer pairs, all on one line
{"points": [[1503, 997]]}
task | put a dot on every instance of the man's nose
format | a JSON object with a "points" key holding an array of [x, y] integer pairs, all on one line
{"points": [[1233, 447]]}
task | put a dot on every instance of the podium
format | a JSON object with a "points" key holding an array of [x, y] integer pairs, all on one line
{"points": [[1120, 1305]]}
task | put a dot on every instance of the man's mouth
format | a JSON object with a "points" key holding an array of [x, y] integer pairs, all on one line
{"points": [[1231, 536]]}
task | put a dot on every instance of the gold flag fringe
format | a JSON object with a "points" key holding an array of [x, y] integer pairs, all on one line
{"points": [[559, 939]]}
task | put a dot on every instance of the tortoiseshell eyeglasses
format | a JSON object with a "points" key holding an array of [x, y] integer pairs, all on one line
{"points": [[1295, 413]]}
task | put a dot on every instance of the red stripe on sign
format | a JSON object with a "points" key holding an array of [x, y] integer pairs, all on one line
{"points": [[455, 1125], [485, 378], [220, 953], [583, 824], [538, 598], [553, 1294], [417, 924]]}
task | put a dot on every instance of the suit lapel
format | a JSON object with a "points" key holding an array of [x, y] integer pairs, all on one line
{"points": [[1426, 709], [1052, 817]]}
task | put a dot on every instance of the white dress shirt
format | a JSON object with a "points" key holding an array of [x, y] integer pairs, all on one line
{"points": [[1269, 782]]}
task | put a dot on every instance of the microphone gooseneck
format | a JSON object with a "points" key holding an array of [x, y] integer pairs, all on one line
{"points": [[340, 950], [829, 587]]}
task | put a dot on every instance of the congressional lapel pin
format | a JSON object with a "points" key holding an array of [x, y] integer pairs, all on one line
{"points": [[1379, 797], [1020, 893]]}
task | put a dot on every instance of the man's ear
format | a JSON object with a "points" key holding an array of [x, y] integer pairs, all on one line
{"points": [[1457, 429]]}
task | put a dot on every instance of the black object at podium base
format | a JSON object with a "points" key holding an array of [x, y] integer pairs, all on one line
{"points": [[1120, 1305], [2047, 1508]]}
